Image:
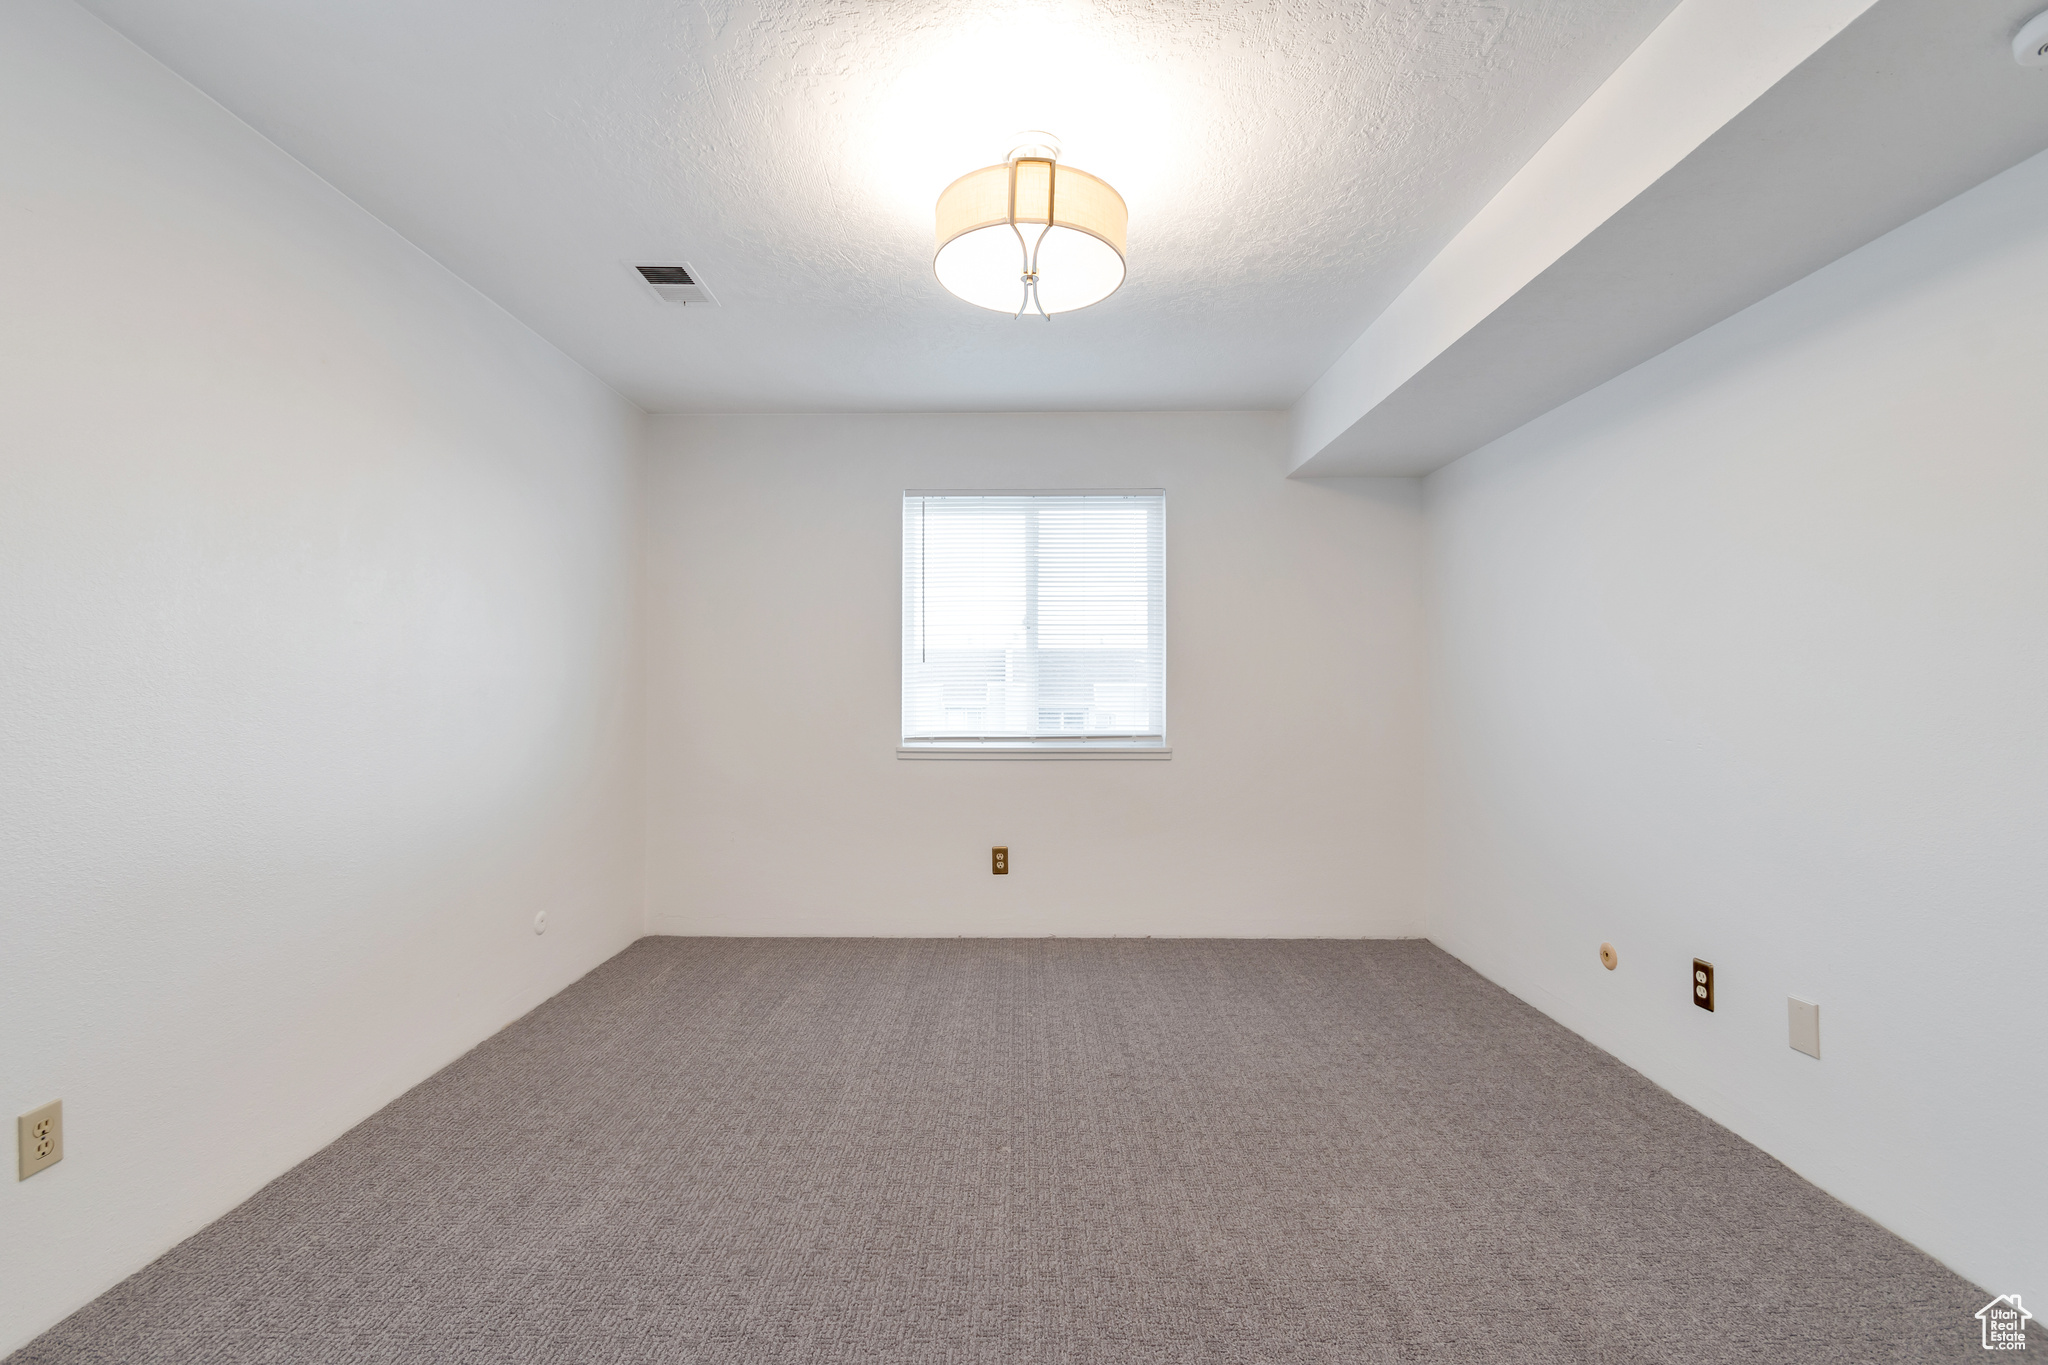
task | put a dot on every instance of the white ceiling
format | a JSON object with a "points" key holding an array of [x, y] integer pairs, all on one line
{"points": [[1290, 165]]}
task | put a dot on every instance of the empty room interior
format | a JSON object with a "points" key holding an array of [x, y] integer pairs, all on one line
{"points": [[941, 681]]}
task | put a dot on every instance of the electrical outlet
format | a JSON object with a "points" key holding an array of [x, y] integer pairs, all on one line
{"points": [[999, 861], [1703, 984], [41, 1132]]}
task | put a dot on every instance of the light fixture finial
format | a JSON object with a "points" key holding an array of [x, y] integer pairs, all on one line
{"points": [[1035, 143]]}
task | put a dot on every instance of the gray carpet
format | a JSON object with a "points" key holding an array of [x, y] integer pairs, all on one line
{"points": [[1044, 1150]]}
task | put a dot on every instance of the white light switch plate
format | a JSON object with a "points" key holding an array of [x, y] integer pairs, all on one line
{"points": [[1803, 1016]]}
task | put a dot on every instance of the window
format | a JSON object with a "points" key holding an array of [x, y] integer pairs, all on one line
{"points": [[1034, 624]]}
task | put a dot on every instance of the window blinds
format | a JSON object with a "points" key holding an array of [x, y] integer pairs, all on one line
{"points": [[1034, 619]]}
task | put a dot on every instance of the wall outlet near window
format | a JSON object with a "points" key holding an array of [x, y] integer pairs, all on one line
{"points": [[999, 861], [41, 1134], [1703, 983], [1803, 1019]]}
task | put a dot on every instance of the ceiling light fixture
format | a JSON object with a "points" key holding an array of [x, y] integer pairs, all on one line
{"points": [[2030, 44], [1031, 234]]}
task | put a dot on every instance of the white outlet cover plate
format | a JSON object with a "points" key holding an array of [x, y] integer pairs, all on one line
{"points": [[1803, 1020]]}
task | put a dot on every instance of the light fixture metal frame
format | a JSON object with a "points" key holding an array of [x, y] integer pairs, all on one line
{"points": [[1052, 191]]}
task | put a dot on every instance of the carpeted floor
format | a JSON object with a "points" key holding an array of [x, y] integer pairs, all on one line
{"points": [[1048, 1150]]}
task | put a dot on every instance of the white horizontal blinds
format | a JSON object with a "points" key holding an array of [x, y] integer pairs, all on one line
{"points": [[1034, 617]]}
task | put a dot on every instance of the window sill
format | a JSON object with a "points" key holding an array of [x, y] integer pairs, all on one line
{"points": [[1035, 751]]}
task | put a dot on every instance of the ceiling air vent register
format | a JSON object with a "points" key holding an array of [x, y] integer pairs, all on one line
{"points": [[675, 284]]}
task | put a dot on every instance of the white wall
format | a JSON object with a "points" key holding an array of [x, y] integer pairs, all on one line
{"points": [[316, 577], [777, 804], [1744, 655]]}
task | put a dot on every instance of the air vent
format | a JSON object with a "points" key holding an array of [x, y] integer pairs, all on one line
{"points": [[675, 284]]}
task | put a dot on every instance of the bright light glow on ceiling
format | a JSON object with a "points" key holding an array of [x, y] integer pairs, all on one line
{"points": [[959, 96]]}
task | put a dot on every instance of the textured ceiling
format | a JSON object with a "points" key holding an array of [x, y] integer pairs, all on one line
{"points": [[1289, 166]]}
